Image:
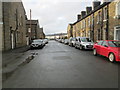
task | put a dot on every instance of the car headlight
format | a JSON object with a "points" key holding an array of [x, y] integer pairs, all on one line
{"points": [[84, 44]]}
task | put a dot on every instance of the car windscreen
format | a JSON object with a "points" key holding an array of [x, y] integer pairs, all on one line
{"points": [[37, 41], [114, 43], [85, 40]]}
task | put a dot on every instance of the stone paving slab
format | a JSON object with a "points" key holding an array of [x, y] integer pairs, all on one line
{"points": [[12, 59]]}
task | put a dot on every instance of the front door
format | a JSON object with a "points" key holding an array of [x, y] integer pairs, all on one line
{"points": [[12, 40]]}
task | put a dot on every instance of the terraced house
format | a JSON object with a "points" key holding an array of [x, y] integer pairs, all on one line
{"points": [[14, 25], [100, 23], [69, 30]]}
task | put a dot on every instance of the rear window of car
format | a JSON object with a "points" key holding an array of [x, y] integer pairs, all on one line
{"points": [[100, 42], [36, 41], [114, 43]]}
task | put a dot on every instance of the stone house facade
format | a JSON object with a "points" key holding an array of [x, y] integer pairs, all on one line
{"points": [[33, 30], [41, 33], [1, 25], [14, 25], [101, 23], [69, 30]]}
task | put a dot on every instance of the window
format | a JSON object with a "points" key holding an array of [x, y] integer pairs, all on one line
{"points": [[105, 13], [89, 21], [81, 24], [99, 17], [117, 33], [76, 39], [104, 43], [92, 17], [85, 40], [118, 8], [84, 23], [100, 42], [114, 43]]}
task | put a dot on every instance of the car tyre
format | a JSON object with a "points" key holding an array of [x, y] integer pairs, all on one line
{"points": [[81, 48], [75, 46], [111, 57], [94, 52]]}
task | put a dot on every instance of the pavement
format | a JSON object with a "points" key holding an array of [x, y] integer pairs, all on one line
{"points": [[61, 66], [12, 59]]}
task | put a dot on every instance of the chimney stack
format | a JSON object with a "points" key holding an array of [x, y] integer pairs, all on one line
{"points": [[88, 10], [78, 17], [96, 4], [83, 13]]}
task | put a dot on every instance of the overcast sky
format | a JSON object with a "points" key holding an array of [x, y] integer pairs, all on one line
{"points": [[55, 15]]}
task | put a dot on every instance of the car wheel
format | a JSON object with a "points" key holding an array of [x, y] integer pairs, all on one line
{"points": [[72, 44], [94, 52], [81, 47], [111, 57], [75, 46]]}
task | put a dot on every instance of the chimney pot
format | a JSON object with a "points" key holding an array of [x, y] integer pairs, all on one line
{"points": [[96, 4], [78, 17], [88, 10], [83, 13]]}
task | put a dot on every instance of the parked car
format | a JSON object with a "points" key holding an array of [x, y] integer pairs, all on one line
{"points": [[83, 43], [72, 41], [62, 41], [45, 40], [38, 43], [108, 48], [66, 41]]}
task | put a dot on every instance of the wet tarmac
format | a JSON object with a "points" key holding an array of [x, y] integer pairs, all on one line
{"points": [[61, 66]]}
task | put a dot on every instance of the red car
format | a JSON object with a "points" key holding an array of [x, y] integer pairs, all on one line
{"points": [[108, 48]]}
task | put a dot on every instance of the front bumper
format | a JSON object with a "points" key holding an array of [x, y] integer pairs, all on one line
{"points": [[38, 46], [88, 46]]}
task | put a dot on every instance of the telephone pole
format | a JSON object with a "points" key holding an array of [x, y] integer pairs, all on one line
{"points": [[30, 31]]}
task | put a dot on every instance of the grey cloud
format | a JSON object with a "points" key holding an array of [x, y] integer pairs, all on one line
{"points": [[54, 16]]}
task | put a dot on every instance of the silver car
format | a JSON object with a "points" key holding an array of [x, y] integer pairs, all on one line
{"points": [[37, 44], [66, 41], [72, 41], [83, 43]]}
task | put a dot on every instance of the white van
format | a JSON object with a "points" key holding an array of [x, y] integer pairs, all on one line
{"points": [[83, 43]]}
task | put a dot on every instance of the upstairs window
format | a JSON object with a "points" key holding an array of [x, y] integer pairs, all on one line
{"points": [[118, 8], [99, 17], [89, 21], [84, 23], [105, 13], [92, 20]]}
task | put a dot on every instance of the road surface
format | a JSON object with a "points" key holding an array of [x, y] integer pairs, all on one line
{"points": [[61, 66]]}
